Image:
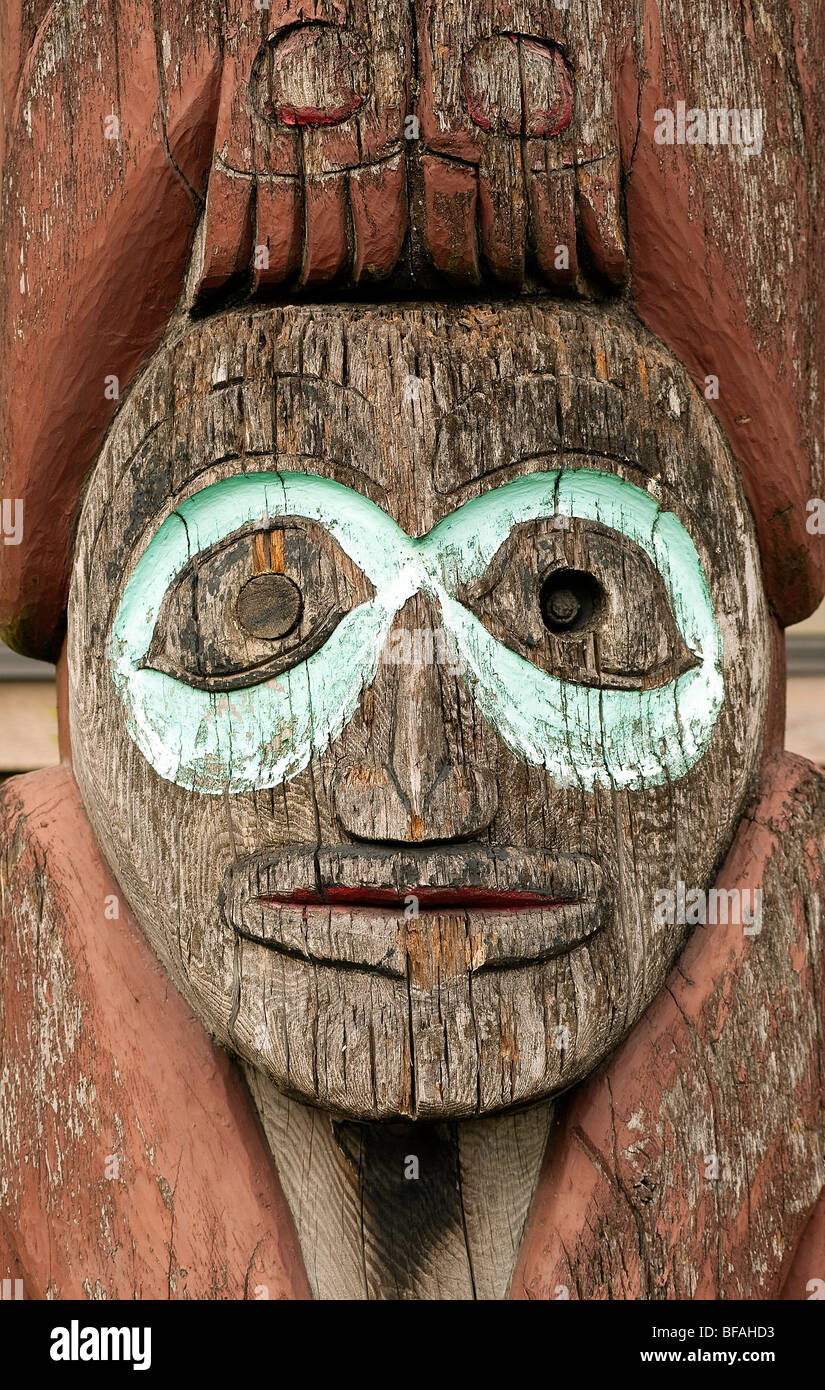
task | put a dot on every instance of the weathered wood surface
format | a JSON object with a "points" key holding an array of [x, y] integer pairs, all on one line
{"points": [[97, 231], [726, 1065], [628, 1192], [166, 171], [132, 1164], [417, 764], [495, 391], [405, 1211]]}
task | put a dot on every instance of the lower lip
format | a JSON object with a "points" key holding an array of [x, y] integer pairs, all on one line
{"points": [[374, 931]]}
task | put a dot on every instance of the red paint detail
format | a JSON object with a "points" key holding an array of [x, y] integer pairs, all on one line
{"points": [[600, 224], [698, 300], [325, 238], [228, 239], [480, 79], [378, 208], [563, 122], [279, 212], [430, 898], [502, 227], [808, 1259], [450, 199], [540, 121], [313, 115], [122, 251], [342, 53], [476, 114], [553, 217]]}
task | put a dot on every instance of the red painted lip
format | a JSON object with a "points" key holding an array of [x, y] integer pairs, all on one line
{"points": [[353, 907], [431, 899]]}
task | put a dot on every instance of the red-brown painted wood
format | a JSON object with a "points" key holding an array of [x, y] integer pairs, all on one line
{"points": [[123, 1071], [97, 231], [623, 1209]]}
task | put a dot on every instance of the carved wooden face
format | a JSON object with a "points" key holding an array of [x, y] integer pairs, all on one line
{"points": [[411, 652]]}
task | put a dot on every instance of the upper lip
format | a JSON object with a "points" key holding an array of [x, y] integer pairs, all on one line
{"points": [[354, 906]]}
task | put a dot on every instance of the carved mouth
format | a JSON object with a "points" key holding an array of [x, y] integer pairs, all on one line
{"points": [[424, 897], [466, 910]]}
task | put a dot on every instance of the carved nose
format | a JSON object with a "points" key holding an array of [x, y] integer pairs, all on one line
{"points": [[372, 803], [407, 784]]}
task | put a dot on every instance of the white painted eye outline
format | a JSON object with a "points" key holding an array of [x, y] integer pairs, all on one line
{"points": [[261, 736]]}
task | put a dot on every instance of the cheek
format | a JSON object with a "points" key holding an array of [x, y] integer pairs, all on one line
{"points": [[168, 848], [661, 838], [255, 738]]}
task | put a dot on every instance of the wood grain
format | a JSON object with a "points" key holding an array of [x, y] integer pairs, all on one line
{"points": [[132, 1164], [196, 202], [406, 1211], [97, 232], [729, 1067], [417, 763]]}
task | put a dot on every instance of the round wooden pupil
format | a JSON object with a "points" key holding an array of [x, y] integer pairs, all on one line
{"points": [[269, 605], [568, 600]]}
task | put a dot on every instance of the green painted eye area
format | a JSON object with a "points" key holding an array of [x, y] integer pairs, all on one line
{"points": [[245, 610], [582, 603], [259, 612]]}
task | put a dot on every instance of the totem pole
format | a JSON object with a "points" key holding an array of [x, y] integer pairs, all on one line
{"points": [[414, 411]]}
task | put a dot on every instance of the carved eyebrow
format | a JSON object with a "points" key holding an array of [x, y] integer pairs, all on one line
{"points": [[289, 416], [186, 737], [495, 427], [363, 530], [318, 418], [540, 416]]}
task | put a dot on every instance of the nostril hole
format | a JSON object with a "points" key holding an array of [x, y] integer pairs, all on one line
{"points": [[571, 601]]}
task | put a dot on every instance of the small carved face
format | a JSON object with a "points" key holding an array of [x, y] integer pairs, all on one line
{"points": [[412, 653]]}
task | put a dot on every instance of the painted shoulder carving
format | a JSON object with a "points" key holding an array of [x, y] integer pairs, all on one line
{"points": [[422, 516]]}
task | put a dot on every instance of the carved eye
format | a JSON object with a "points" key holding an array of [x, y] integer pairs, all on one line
{"points": [[270, 606], [571, 600], [584, 604], [254, 605], [311, 75]]}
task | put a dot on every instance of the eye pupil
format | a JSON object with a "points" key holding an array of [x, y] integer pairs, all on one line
{"points": [[269, 606], [563, 606], [569, 599]]}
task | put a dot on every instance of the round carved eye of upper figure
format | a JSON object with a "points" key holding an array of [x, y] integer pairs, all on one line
{"points": [[311, 75], [254, 605], [582, 603]]}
